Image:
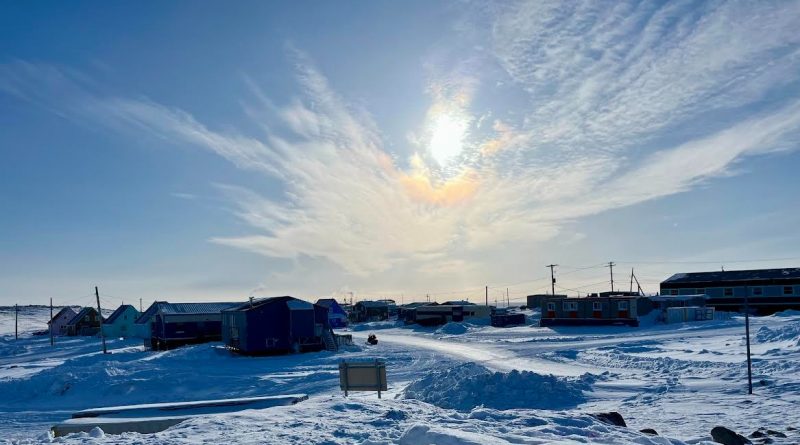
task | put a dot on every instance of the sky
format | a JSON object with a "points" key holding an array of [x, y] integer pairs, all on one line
{"points": [[219, 150]]}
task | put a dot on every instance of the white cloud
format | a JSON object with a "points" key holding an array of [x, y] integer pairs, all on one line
{"points": [[606, 85]]}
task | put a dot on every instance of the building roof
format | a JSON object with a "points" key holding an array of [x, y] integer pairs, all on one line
{"points": [[332, 305], [184, 309], [734, 275], [327, 302], [373, 304], [118, 312], [258, 302], [80, 315], [146, 315], [63, 311]]}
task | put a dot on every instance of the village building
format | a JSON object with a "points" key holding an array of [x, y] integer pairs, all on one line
{"points": [[337, 317], [767, 290], [177, 324], [436, 314], [58, 324], [85, 322], [370, 311], [276, 325], [587, 311], [121, 322]]}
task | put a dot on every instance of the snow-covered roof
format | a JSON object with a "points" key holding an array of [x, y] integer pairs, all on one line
{"points": [[734, 275], [372, 304]]}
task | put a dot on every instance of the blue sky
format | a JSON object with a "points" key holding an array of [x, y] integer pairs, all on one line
{"points": [[201, 151]]}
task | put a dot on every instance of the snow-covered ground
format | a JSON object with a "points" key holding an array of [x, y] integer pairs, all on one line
{"points": [[458, 384]]}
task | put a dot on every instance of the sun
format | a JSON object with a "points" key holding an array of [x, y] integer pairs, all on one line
{"points": [[447, 136]]}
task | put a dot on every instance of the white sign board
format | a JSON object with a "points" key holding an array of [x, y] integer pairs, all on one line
{"points": [[362, 376]]}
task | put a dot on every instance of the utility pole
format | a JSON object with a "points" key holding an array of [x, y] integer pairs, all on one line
{"points": [[508, 299], [16, 322], [631, 279], [552, 278], [611, 269], [51, 321], [747, 334], [487, 295], [100, 314]]}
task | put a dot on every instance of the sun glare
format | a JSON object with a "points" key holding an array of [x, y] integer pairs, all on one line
{"points": [[447, 137]]}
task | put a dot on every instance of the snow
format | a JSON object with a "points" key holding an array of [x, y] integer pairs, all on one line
{"points": [[453, 384], [469, 386]]}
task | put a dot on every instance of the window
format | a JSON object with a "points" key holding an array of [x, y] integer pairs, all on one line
{"points": [[728, 292], [571, 306], [673, 292], [757, 291], [699, 291], [622, 305], [597, 306], [551, 306], [787, 290]]}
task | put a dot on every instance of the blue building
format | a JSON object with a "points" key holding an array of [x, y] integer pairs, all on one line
{"points": [[121, 322], [177, 324], [767, 290], [275, 325], [337, 317]]}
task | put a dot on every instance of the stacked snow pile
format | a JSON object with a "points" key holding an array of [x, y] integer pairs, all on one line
{"points": [[470, 385], [790, 332], [452, 328], [374, 325]]}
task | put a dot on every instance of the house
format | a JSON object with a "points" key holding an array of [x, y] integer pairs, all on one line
{"points": [[436, 314], [535, 301], [767, 290], [275, 325], [565, 311], [337, 317], [58, 324], [85, 322], [403, 309], [370, 311], [178, 324], [121, 322]]}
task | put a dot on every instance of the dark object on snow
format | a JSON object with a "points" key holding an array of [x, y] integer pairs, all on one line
{"points": [[723, 435], [503, 320], [611, 418], [649, 431], [372, 339], [776, 433], [757, 434]]}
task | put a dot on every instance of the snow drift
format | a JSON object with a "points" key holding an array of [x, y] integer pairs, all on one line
{"points": [[470, 385], [790, 332]]}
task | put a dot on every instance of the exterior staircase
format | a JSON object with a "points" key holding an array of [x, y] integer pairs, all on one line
{"points": [[330, 342]]}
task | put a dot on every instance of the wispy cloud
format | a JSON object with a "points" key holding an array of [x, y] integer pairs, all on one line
{"points": [[614, 97]]}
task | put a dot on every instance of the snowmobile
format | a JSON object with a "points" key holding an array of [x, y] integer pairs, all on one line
{"points": [[372, 339]]}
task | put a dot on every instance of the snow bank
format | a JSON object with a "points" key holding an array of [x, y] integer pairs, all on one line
{"points": [[425, 434], [470, 385], [374, 325], [453, 329], [789, 332]]}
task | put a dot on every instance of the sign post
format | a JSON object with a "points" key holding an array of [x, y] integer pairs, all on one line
{"points": [[362, 376]]}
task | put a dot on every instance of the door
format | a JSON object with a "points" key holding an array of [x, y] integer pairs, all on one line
{"points": [[458, 313]]}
